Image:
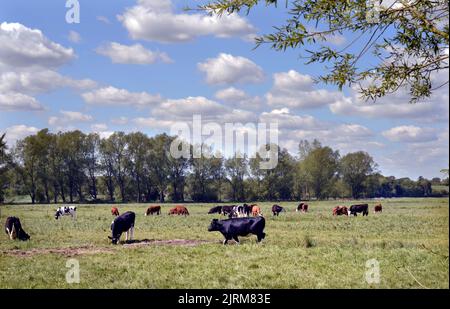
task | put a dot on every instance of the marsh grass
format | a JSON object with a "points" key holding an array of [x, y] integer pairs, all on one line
{"points": [[312, 250]]}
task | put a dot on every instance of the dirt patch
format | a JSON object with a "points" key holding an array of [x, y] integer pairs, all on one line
{"points": [[62, 251], [171, 242], [86, 250]]}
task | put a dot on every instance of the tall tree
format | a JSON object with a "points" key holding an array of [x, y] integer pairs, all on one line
{"points": [[321, 167], [355, 168], [237, 168], [410, 40]]}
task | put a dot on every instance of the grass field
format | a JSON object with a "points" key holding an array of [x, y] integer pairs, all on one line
{"points": [[314, 250]]}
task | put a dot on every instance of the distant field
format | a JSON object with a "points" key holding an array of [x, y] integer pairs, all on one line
{"points": [[314, 250]]}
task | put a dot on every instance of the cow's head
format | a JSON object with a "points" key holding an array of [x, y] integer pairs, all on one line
{"points": [[57, 214], [23, 235], [214, 226]]}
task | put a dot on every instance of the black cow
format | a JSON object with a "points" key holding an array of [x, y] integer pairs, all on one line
{"points": [[354, 209], [276, 209], [123, 223], [215, 210], [227, 210], [14, 229], [247, 210], [232, 228]]}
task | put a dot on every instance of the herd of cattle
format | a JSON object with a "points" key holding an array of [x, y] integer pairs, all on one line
{"points": [[242, 219]]}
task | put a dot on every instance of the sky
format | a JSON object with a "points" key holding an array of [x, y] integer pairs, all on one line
{"points": [[143, 65]]}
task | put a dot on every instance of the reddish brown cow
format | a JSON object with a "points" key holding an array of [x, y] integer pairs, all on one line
{"points": [[179, 210], [340, 210], [115, 211], [153, 210], [378, 208], [256, 211]]}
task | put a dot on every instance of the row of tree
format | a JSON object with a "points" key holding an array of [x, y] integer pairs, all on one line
{"points": [[77, 167]]}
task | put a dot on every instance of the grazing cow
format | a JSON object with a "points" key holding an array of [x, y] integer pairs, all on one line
{"points": [[115, 211], [247, 209], [276, 209], [238, 212], [232, 228], [340, 210], [354, 209], [256, 211], [66, 211], [179, 210], [123, 223], [215, 210], [303, 207], [153, 210], [378, 208], [14, 229], [227, 210]]}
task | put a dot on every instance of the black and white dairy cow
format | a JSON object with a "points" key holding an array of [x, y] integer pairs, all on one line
{"points": [[233, 228], [123, 223], [354, 209], [66, 211], [14, 229]]}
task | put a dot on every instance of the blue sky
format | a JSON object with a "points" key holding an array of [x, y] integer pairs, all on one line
{"points": [[145, 64]]}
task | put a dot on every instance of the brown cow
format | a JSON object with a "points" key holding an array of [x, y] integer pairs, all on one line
{"points": [[340, 210], [179, 210], [115, 211], [303, 207], [378, 208], [256, 211], [152, 210]]}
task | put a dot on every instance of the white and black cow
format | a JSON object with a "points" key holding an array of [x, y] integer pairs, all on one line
{"points": [[14, 229], [66, 211], [233, 228], [123, 223]]}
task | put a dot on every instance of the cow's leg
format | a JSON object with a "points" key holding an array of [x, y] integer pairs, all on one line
{"points": [[131, 233], [260, 237], [126, 235], [225, 241], [236, 239]]}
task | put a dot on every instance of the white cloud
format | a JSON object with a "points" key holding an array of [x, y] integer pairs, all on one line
{"points": [[156, 20], [99, 127], [229, 69], [120, 97], [34, 81], [410, 134], [120, 121], [134, 54], [238, 98], [295, 91], [18, 132], [69, 117], [288, 121], [151, 122], [74, 37], [23, 47], [104, 19], [19, 102], [187, 107]]}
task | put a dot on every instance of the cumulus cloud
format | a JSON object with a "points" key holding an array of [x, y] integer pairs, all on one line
{"points": [[69, 117], [289, 121], [410, 134], [134, 54], [23, 47], [229, 69], [40, 81], [19, 102], [104, 19], [295, 91], [187, 107], [156, 20], [120, 97], [120, 121], [238, 98], [18, 132]]}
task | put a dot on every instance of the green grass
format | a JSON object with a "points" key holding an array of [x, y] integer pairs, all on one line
{"points": [[313, 250]]}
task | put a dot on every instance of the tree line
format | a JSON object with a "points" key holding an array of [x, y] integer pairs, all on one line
{"points": [[69, 167]]}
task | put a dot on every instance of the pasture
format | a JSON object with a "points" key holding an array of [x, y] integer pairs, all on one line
{"points": [[410, 240]]}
